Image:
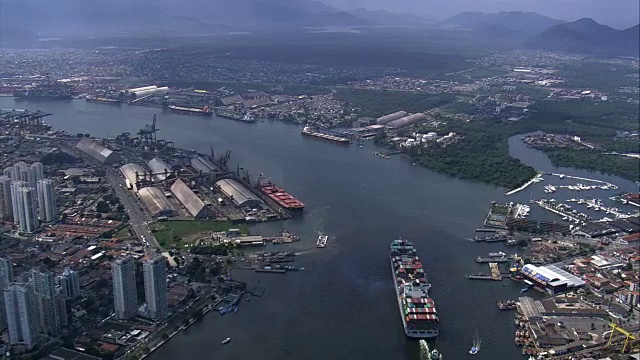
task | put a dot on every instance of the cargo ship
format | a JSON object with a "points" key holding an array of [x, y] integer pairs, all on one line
{"points": [[307, 130], [206, 111], [102, 100], [282, 197], [417, 309]]}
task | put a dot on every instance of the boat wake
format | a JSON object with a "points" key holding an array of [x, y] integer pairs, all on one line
{"points": [[425, 354]]}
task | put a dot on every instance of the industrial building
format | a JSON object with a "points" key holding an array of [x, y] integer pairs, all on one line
{"points": [[196, 207], [383, 120], [240, 195], [157, 204], [97, 151], [551, 278], [406, 121], [202, 165], [159, 168], [133, 173]]}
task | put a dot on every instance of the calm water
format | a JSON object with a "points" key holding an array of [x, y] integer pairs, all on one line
{"points": [[343, 307]]}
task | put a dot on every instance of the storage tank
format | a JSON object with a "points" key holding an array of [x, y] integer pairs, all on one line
{"points": [[406, 121], [390, 117]]}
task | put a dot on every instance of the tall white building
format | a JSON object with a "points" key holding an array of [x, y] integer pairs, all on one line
{"points": [[15, 185], [24, 202], [125, 298], [69, 284], [46, 302], [6, 206], [47, 205], [22, 318], [38, 170], [6, 278], [155, 286]]}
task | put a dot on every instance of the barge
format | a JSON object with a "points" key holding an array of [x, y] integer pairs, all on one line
{"points": [[308, 131], [417, 309]]}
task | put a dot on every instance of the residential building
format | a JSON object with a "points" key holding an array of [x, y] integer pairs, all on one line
{"points": [[22, 317], [125, 298], [46, 301], [155, 286], [47, 205], [69, 284]]}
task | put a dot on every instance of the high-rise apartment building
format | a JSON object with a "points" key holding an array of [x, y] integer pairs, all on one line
{"points": [[47, 205], [125, 298], [22, 317], [155, 286]]}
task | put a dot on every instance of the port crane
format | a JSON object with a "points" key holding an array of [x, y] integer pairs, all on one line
{"points": [[630, 337], [148, 133]]}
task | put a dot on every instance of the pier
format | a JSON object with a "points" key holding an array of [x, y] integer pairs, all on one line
{"points": [[558, 212], [483, 260], [536, 178]]}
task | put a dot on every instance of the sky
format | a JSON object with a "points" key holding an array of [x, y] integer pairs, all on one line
{"points": [[615, 13]]}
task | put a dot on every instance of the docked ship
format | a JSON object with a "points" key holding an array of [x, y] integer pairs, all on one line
{"points": [[227, 114], [282, 197], [417, 309], [102, 100], [206, 111], [47, 91], [307, 130]]}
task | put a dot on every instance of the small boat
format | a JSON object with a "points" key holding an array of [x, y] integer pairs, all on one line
{"points": [[322, 241], [474, 350], [435, 355], [226, 341]]}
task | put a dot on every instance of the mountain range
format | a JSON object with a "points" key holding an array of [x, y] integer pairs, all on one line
{"points": [[505, 23], [588, 36]]}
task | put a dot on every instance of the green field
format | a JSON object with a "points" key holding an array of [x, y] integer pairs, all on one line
{"points": [[180, 232]]}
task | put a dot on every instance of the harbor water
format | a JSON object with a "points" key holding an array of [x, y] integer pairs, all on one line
{"points": [[342, 306]]}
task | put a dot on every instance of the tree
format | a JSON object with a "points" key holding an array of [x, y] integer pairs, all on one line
{"points": [[102, 206]]}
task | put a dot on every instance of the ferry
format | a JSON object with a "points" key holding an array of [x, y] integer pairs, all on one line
{"points": [[417, 309], [206, 111], [322, 241]]}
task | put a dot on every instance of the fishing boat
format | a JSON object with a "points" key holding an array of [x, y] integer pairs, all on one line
{"points": [[226, 341]]}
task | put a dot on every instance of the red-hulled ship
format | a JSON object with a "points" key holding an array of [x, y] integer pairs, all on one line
{"points": [[282, 197]]}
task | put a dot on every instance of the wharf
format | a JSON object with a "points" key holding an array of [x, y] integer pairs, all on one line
{"points": [[480, 277], [536, 178], [545, 206], [490, 239]]}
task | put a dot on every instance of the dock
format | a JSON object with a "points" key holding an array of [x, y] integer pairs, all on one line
{"points": [[480, 277], [536, 178], [482, 260]]}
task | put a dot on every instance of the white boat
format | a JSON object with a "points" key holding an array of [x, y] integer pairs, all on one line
{"points": [[476, 345], [226, 341], [322, 241], [474, 350], [435, 355]]}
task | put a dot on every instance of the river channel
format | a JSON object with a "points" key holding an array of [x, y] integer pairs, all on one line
{"points": [[343, 306]]}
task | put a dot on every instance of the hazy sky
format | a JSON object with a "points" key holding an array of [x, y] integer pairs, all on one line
{"points": [[616, 13]]}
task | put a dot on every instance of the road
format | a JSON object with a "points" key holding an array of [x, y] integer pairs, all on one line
{"points": [[137, 217]]}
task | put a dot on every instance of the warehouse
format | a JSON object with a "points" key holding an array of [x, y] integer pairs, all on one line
{"points": [[551, 278], [155, 201], [383, 120], [240, 195], [406, 121], [159, 168], [202, 165], [196, 207], [97, 151], [133, 174]]}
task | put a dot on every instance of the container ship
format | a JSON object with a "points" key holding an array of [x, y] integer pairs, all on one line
{"points": [[206, 111], [417, 309], [282, 197], [102, 100], [307, 130]]}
